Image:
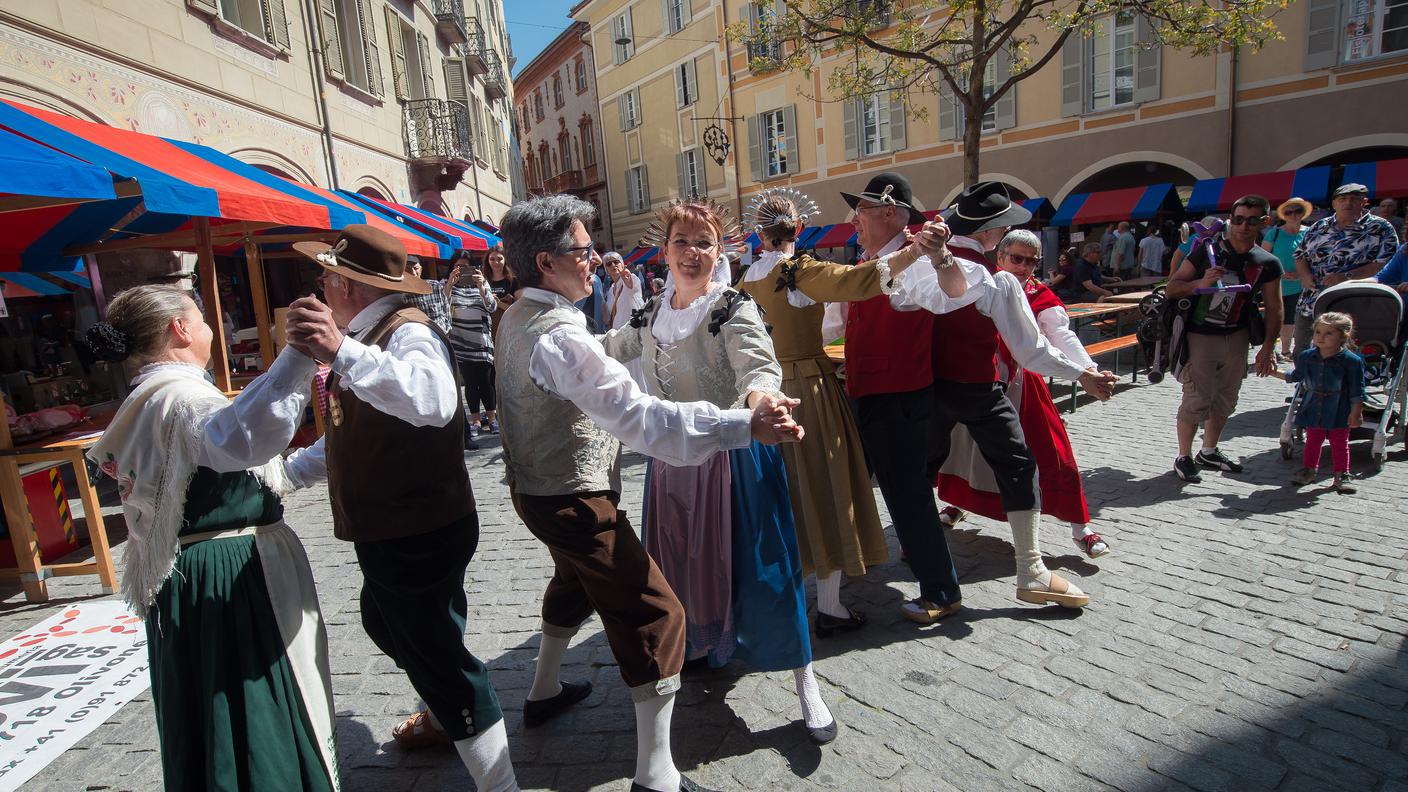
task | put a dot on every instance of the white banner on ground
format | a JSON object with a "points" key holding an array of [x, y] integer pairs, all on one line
{"points": [[63, 678]]}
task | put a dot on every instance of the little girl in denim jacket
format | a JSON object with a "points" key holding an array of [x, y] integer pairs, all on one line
{"points": [[1332, 381]]}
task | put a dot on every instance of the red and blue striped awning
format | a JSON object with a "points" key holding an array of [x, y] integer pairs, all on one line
{"points": [[837, 235], [635, 254], [1133, 203], [1041, 209], [1385, 178], [807, 241], [178, 182], [1218, 195], [417, 243], [460, 235]]}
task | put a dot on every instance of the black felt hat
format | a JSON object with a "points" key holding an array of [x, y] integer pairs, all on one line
{"points": [[890, 189], [983, 206]]}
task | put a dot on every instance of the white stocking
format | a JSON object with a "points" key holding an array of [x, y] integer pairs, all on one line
{"points": [[1026, 546], [814, 710], [828, 596], [545, 674], [1080, 530], [655, 765], [486, 756]]}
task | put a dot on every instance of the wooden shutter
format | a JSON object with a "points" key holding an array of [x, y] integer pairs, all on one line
{"points": [[621, 110], [682, 166], [848, 113], [275, 23], [1322, 34], [666, 23], [618, 30], [948, 113], [1006, 108], [456, 86], [205, 6], [897, 131], [400, 83], [644, 189], [686, 13], [630, 34], [630, 192], [692, 80], [789, 131], [1073, 74], [636, 114], [1148, 60], [332, 43], [370, 46], [427, 77], [755, 146]]}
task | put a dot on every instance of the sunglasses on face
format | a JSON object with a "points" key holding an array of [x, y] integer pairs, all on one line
{"points": [[1296, 210], [1251, 221], [1022, 261], [579, 253]]}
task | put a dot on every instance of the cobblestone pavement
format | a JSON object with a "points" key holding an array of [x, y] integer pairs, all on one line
{"points": [[1242, 636]]}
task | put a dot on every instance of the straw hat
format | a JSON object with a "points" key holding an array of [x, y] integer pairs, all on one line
{"points": [[1305, 206], [367, 255]]}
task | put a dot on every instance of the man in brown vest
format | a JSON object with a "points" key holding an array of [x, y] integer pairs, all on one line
{"points": [[393, 457]]}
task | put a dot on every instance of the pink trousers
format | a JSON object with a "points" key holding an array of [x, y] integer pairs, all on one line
{"points": [[1339, 447]]}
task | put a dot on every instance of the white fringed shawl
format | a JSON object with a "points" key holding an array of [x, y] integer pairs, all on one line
{"points": [[152, 447]]}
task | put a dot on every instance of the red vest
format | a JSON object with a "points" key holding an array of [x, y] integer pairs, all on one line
{"points": [[887, 351], [964, 346]]}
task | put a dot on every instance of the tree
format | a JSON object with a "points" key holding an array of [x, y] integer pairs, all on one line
{"points": [[925, 47]]}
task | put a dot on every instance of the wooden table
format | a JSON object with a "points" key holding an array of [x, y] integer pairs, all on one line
{"points": [[1128, 297], [66, 448], [1137, 284], [1084, 313]]}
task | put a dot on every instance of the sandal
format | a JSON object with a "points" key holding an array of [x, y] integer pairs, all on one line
{"points": [[922, 611], [951, 515], [1059, 591], [1093, 545], [418, 732]]}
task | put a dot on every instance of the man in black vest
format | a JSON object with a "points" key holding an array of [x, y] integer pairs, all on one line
{"points": [[393, 457]]}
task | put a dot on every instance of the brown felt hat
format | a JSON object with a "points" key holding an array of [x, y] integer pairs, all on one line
{"points": [[367, 255]]}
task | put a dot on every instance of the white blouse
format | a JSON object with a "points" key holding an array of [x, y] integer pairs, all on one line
{"points": [[673, 325]]}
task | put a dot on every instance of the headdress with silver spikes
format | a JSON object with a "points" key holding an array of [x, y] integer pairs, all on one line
{"points": [[759, 215], [733, 233]]}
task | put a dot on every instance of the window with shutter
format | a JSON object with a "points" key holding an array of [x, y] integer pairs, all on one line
{"points": [[581, 77], [1322, 33], [588, 143], [1073, 74], [457, 84], [276, 23], [621, 30], [755, 146], [331, 42], [686, 84], [874, 124], [1372, 28], [396, 41], [949, 112], [370, 49], [1148, 61], [1111, 65], [850, 112], [1005, 110], [775, 151], [427, 77]]}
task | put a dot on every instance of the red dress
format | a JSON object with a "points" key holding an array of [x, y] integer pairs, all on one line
{"points": [[967, 482]]}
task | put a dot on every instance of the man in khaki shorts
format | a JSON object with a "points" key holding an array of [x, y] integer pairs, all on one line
{"points": [[1220, 328]]}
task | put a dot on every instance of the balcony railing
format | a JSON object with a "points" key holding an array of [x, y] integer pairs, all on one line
{"points": [[563, 182], [436, 130], [493, 76], [476, 47], [590, 175], [449, 21]]}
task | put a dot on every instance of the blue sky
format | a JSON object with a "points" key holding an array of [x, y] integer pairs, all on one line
{"points": [[532, 25]]}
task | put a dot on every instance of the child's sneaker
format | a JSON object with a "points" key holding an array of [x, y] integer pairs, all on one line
{"points": [[473, 429], [1344, 484], [1304, 476], [493, 427]]}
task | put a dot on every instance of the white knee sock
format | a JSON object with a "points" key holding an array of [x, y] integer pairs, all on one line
{"points": [[828, 595], [1080, 530], [545, 675], [486, 756], [814, 710], [1026, 546], [655, 765]]}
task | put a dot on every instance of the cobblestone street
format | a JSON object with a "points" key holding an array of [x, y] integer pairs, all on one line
{"points": [[1242, 635]]}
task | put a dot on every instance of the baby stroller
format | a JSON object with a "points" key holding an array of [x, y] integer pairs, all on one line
{"points": [[1378, 328], [1161, 334]]}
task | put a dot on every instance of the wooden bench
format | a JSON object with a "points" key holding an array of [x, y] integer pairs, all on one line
{"points": [[1112, 346]]}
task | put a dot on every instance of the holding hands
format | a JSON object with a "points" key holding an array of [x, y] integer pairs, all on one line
{"points": [[1100, 384], [933, 237], [772, 419], [312, 330]]}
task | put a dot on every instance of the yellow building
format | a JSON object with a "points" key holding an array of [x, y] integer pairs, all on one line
{"points": [[1104, 114], [401, 99]]}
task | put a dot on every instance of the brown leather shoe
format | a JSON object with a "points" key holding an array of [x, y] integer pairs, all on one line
{"points": [[418, 732]]}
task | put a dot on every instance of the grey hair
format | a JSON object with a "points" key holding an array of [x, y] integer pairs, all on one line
{"points": [[540, 225], [611, 255], [1020, 236], [143, 315]]}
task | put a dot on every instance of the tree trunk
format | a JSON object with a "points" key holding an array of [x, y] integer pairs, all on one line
{"points": [[972, 142]]}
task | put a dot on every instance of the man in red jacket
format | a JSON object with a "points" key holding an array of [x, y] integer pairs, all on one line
{"points": [[890, 375], [967, 388]]}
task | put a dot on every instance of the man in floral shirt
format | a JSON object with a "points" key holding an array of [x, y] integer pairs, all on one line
{"points": [[1349, 244]]}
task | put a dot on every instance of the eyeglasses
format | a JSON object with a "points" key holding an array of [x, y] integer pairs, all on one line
{"points": [[1251, 221], [702, 244], [580, 253], [1294, 210], [1022, 261]]}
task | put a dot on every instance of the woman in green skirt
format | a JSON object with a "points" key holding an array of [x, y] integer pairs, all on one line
{"points": [[235, 637]]}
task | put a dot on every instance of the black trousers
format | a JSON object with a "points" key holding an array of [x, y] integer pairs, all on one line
{"points": [[478, 378], [414, 610], [992, 421], [894, 429]]}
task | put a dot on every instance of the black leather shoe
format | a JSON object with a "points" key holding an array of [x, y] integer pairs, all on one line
{"points": [[685, 786], [826, 624], [536, 713], [824, 734]]}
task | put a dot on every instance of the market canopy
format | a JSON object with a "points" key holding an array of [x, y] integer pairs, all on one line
{"points": [[460, 235], [837, 235], [1385, 178], [807, 241], [417, 243], [1218, 195], [163, 186], [1041, 209], [31, 172], [1133, 203]]}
